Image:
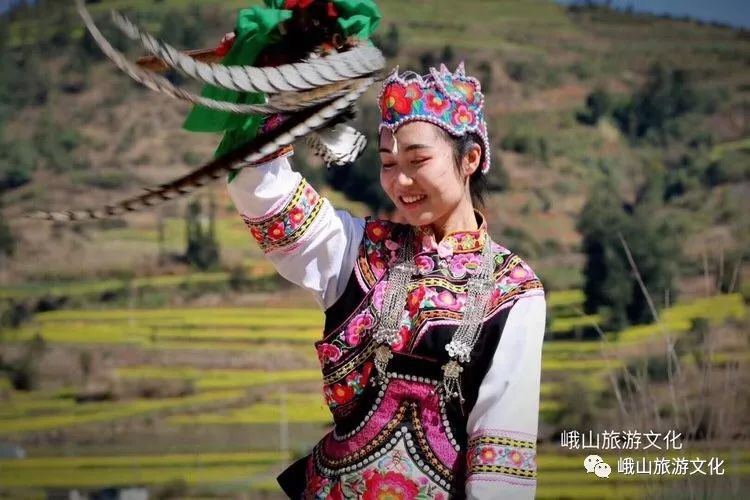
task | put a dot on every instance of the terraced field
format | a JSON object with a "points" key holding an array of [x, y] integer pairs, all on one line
{"points": [[257, 400]]}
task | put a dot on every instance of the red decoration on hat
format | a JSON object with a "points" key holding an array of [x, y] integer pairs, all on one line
{"points": [[332, 10], [297, 4], [225, 45]]}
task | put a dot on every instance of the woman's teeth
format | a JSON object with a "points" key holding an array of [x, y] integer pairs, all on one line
{"points": [[412, 199]]}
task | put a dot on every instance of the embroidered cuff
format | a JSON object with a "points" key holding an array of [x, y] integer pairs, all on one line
{"points": [[502, 453], [282, 228]]}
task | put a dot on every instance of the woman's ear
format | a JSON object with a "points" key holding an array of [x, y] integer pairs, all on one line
{"points": [[472, 159]]}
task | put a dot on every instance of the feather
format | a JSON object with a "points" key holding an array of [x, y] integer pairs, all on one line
{"points": [[298, 125]]}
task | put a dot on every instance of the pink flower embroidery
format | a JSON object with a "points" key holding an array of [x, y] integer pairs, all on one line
{"points": [[296, 216], [276, 231], [358, 327], [413, 92], [518, 274], [463, 116], [462, 263], [310, 194], [446, 300], [378, 294], [515, 457], [435, 103], [487, 455], [389, 486], [425, 265], [328, 353]]}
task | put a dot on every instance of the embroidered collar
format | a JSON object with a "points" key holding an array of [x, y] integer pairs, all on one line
{"points": [[455, 241]]}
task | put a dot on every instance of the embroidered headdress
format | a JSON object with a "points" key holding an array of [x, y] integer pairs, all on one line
{"points": [[452, 101]]}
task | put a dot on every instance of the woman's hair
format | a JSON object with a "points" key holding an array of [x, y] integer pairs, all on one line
{"points": [[461, 146]]}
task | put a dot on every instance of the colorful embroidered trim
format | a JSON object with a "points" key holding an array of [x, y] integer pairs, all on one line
{"points": [[501, 455], [342, 393], [285, 227], [372, 260], [452, 101]]}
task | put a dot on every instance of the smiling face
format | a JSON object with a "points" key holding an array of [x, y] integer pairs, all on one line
{"points": [[421, 177]]}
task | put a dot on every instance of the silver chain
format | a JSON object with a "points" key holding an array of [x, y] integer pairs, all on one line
{"points": [[479, 290]]}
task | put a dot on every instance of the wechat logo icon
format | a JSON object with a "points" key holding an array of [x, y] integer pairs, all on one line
{"points": [[595, 464]]}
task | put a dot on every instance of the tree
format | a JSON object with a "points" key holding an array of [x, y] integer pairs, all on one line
{"points": [[202, 248], [666, 95], [654, 246], [613, 234], [607, 284]]}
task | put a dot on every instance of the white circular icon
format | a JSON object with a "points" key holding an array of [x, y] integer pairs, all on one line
{"points": [[602, 470], [590, 462]]}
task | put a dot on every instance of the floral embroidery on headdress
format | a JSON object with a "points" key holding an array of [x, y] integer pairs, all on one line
{"points": [[452, 101]]}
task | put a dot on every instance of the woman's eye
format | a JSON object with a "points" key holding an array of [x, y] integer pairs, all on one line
{"points": [[388, 165], [419, 161]]}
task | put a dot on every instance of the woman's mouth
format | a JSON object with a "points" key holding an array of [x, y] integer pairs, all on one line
{"points": [[412, 200]]}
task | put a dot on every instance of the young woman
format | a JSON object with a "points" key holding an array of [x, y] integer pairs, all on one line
{"points": [[431, 351]]}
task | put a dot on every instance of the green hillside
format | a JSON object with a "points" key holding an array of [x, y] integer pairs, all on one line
{"points": [[114, 348]]}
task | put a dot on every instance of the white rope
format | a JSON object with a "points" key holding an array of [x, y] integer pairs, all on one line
{"points": [[355, 63]]}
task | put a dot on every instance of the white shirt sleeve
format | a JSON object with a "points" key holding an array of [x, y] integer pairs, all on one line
{"points": [[502, 426], [310, 244]]}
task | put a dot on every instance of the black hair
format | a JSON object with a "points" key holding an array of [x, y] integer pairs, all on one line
{"points": [[461, 146]]}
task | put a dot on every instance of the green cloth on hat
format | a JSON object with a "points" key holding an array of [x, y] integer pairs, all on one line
{"points": [[256, 30]]}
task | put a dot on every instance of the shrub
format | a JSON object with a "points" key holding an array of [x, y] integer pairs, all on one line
{"points": [[598, 104]]}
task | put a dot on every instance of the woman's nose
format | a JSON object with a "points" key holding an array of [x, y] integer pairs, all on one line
{"points": [[404, 180]]}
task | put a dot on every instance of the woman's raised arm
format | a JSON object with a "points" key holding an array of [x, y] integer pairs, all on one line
{"points": [[310, 244]]}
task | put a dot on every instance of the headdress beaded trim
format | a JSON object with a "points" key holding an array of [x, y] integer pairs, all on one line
{"points": [[452, 101]]}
